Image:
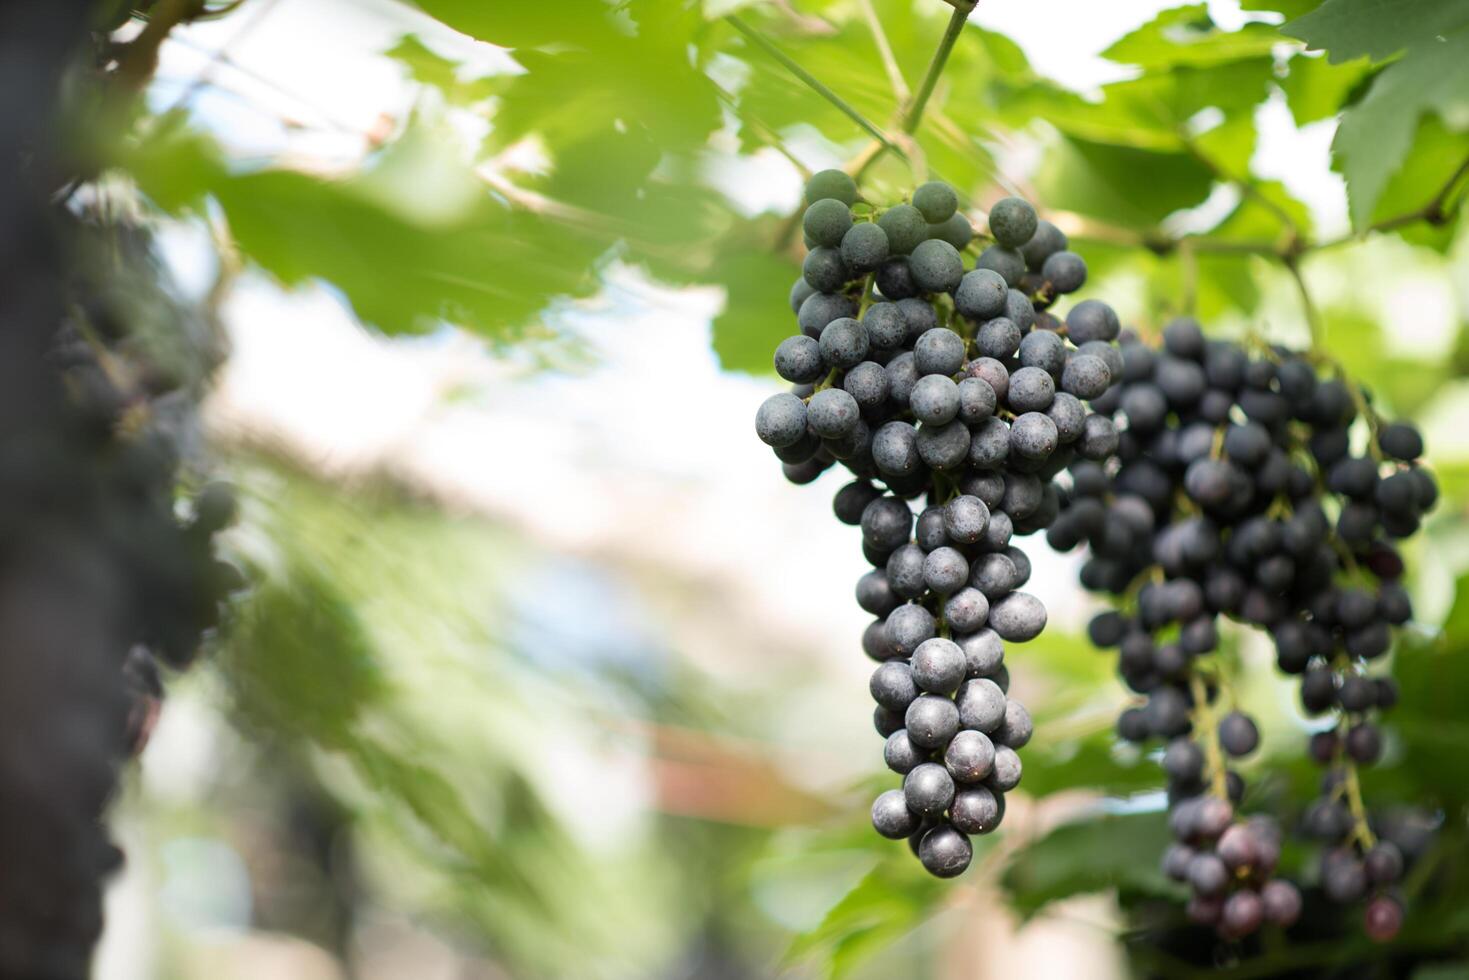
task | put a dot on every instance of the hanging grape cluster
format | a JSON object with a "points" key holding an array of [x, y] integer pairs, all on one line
{"points": [[953, 396], [1237, 493]]}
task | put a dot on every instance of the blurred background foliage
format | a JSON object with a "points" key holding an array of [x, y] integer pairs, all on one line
{"points": [[423, 724]]}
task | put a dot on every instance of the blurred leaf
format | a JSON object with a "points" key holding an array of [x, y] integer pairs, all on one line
{"points": [[1119, 184], [1290, 8], [1253, 220], [1379, 29], [1091, 855], [1315, 88], [1432, 675], [1436, 157], [1231, 144], [1432, 75], [1054, 766], [756, 315], [1187, 36], [895, 897], [516, 25], [428, 68]]}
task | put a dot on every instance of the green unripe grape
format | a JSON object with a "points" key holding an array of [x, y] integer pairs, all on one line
{"points": [[936, 200], [905, 227], [826, 221], [957, 231], [1012, 222], [831, 184]]}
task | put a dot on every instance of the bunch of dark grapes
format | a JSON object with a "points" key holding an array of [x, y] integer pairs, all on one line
{"points": [[953, 397], [1236, 493], [98, 572]]}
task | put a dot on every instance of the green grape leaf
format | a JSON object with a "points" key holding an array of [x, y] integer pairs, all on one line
{"points": [[524, 25], [756, 315], [1290, 8], [1316, 89], [1378, 29], [1437, 155], [1430, 76], [1254, 220], [1187, 36], [430, 68], [1121, 185], [1092, 855], [1231, 144]]}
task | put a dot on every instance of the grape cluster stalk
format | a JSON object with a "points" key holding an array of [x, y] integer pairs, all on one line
{"points": [[929, 364], [1257, 484]]}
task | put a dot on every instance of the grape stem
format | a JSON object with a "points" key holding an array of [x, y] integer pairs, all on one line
{"points": [[1204, 718], [914, 114], [1360, 828], [885, 52]]}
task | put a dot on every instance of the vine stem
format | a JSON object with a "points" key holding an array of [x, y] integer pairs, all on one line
{"points": [[1204, 718], [885, 52], [914, 114], [1313, 316], [812, 82]]}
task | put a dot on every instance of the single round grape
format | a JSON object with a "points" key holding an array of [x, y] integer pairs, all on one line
{"points": [[1045, 242], [1238, 734], [843, 343], [938, 666], [1384, 863], [981, 295], [1383, 919], [868, 384], [894, 279], [892, 685], [819, 309], [965, 518], [875, 594], [864, 247], [939, 351], [1008, 262], [936, 266], [832, 413], [887, 523], [929, 532], [932, 720], [1065, 271], [887, 328], [836, 184], [1019, 309], [891, 816], [957, 231], [1013, 222], [1364, 743], [1242, 914], [1091, 319], [1018, 617], [781, 420], [908, 626], [826, 221], [1069, 416], [1167, 712], [943, 447], [800, 291], [966, 610], [1207, 874], [825, 269], [977, 400], [945, 571], [875, 641], [936, 200], [992, 371], [1007, 772], [900, 753], [905, 227], [904, 572], [1282, 902], [1031, 390], [1108, 353], [981, 705], [989, 444], [1400, 440], [1017, 728], [1184, 338], [997, 338], [976, 809], [995, 575], [895, 448], [902, 376], [798, 359], [984, 653], [934, 399], [1085, 376], [1343, 878], [1044, 350], [1033, 435], [945, 852], [970, 756], [886, 722]]}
